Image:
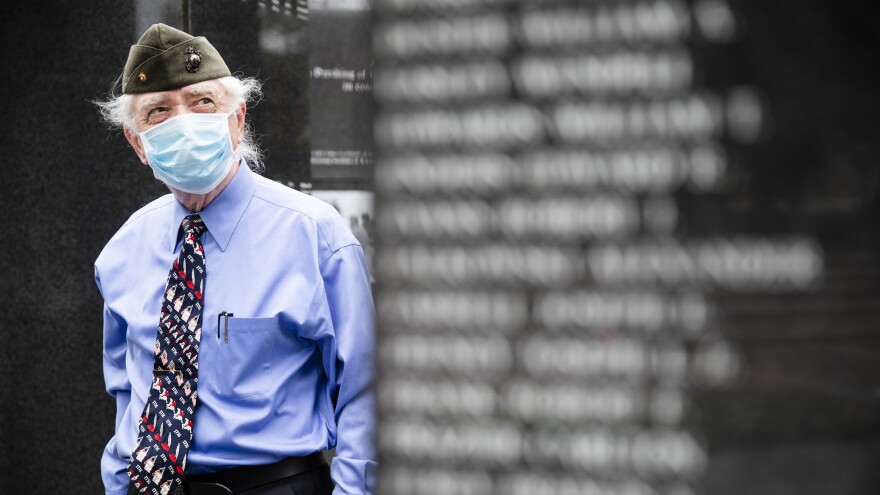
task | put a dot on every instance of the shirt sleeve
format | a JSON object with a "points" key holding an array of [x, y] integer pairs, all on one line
{"points": [[349, 364], [114, 463]]}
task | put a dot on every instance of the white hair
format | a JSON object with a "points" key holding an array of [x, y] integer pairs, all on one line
{"points": [[118, 112]]}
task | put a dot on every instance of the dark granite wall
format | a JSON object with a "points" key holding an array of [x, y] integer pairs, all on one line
{"points": [[67, 184], [489, 389]]}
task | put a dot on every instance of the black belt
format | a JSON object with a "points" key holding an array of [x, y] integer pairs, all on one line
{"points": [[246, 477]]}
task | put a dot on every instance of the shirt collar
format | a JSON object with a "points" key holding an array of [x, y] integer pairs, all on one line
{"points": [[223, 213]]}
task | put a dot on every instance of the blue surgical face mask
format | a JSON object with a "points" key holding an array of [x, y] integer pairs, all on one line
{"points": [[190, 152]]}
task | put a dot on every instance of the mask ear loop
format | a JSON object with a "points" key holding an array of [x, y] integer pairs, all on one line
{"points": [[235, 150]]}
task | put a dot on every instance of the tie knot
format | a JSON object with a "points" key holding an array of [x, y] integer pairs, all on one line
{"points": [[193, 224]]}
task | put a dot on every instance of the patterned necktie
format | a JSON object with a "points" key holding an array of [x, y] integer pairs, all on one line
{"points": [[165, 429]]}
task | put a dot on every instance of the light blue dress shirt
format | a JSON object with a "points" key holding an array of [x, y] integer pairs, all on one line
{"points": [[296, 374]]}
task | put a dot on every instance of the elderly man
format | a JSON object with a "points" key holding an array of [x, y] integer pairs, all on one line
{"points": [[238, 318]]}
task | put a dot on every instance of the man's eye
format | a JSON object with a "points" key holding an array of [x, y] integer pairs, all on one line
{"points": [[157, 110], [204, 101]]}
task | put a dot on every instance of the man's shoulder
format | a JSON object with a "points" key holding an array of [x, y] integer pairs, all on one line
{"points": [[304, 207], [295, 201]]}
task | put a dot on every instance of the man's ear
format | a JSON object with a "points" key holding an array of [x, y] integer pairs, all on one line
{"points": [[243, 109], [239, 126], [135, 141]]}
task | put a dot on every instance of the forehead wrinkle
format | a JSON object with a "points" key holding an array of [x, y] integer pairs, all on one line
{"points": [[149, 101], [201, 89]]}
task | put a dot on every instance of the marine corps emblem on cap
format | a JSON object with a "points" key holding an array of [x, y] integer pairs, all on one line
{"points": [[193, 59]]}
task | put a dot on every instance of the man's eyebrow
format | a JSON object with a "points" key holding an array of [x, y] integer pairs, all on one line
{"points": [[151, 101]]}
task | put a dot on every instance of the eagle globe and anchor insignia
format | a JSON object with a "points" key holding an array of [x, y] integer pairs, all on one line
{"points": [[193, 59]]}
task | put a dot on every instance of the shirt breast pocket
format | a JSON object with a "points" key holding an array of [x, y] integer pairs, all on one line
{"points": [[242, 368]]}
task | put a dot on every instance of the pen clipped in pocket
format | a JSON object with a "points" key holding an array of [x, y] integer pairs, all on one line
{"points": [[239, 366]]}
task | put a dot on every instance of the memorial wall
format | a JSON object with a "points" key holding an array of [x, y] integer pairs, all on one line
{"points": [[626, 247], [340, 117], [340, 92]]}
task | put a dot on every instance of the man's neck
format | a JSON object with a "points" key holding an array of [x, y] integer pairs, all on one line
{"points": [[198, 202]]}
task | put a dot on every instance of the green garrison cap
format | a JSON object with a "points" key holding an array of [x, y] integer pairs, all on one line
{"points": [[166, 58]]}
